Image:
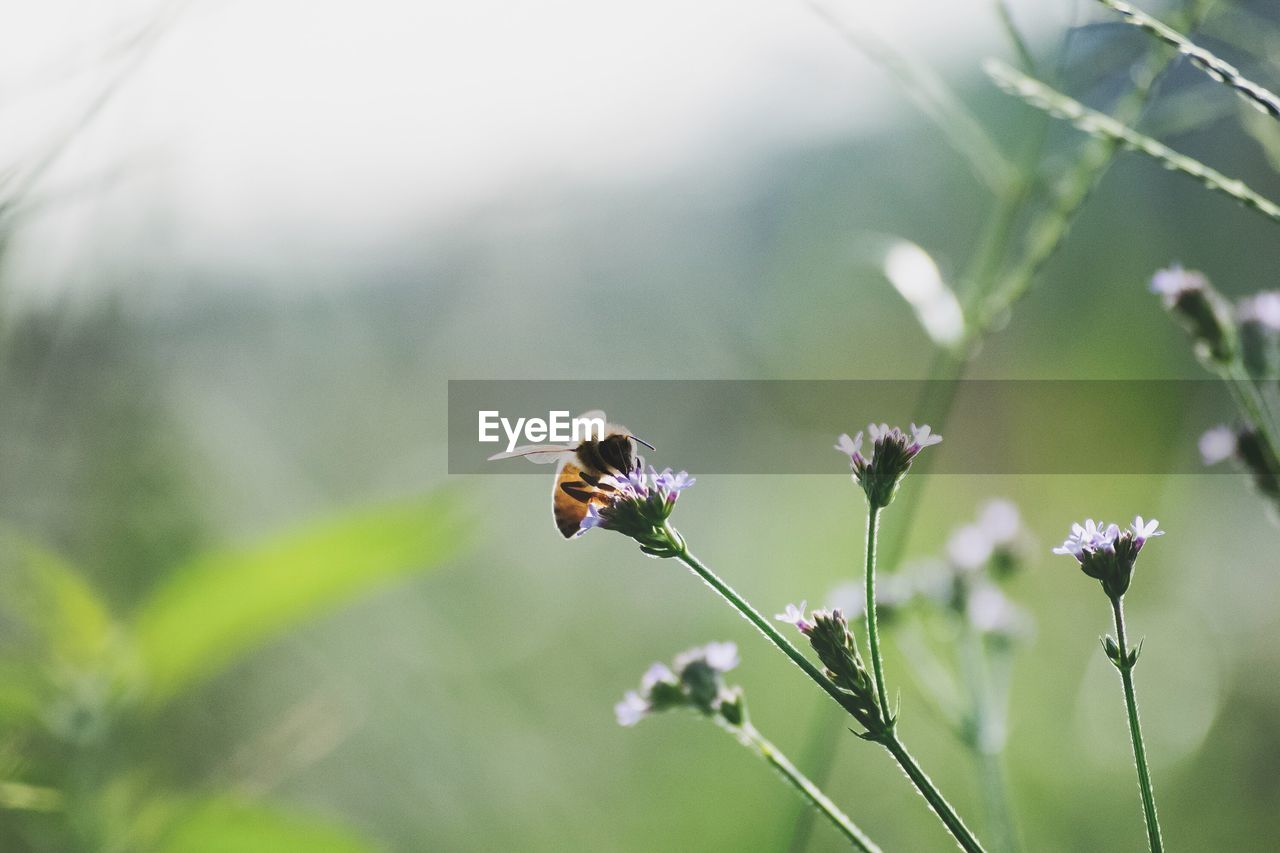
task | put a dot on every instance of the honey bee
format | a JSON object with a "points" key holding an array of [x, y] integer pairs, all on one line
{"points": [[586, 472]]}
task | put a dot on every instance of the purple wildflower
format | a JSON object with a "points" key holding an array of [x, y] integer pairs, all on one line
{"points": [[695, 679], [880, 471], [1217, 444], [1106, 552], [638, 505], [793, 615]]}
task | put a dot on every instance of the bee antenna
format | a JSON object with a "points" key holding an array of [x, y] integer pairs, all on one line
{"points": [[642, 441]]}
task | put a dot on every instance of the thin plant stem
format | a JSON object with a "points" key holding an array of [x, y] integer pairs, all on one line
{"points": [[892, 743], [930, 791], [820, 758], [1217, 68], [1135, 731], [934, 681], [986, 741], [945, 811], [753, 616], [1014, 35], [873, 632], [1103, 126], [1252, 405], [1049, 230], [750, 736], [933, 97], [995, 792]]}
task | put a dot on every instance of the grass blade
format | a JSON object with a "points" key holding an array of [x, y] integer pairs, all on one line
{"points": [[1105, 127], [932, 97], [1217, 68]]}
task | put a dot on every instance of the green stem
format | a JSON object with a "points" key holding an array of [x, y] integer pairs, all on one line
{"points": [[753, 616], [986, 740], [820, 801], [995, 793], [873, 632], [1252, 405], [1048, 231], [934, 797], [1135, 731], [917, 776]]}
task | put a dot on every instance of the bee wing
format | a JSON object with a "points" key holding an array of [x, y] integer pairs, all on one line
{"points": [[539, 454]]}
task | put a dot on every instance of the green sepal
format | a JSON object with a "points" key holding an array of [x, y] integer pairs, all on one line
{"points": [[1111, 648]]}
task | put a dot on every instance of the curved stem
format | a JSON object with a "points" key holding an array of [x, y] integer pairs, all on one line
{"points": [[873, 633], [753, 616], [820, 801], [917, 776], [931, 793], [1135, 732]]}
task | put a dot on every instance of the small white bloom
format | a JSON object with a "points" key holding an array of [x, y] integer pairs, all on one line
{"points": [[721, 656], [793, 615], [655, 674], [1172, 282], [969, 548], [631, 710], [1000, 520], [849, 446], [922, 436], [1262, 308], [1142, 532], [1217, 445]]}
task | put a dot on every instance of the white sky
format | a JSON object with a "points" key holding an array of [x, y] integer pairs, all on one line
{"points": [[257, 120]]}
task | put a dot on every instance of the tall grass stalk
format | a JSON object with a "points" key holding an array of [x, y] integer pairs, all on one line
{"points": [[1217, 68], [1103, 126], [1049, 230], [934, 98]]}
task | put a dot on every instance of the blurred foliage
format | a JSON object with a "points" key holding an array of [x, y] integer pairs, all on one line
{"points": [[163, 688], [82, 684]]}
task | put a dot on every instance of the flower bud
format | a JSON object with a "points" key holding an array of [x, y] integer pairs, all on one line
{"points": [[1260, 460], [1259, 317], [1200, 310], [880, 472], [838, 652]]}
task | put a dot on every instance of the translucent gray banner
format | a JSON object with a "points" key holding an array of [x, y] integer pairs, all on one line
{"points": [[789, 426]]}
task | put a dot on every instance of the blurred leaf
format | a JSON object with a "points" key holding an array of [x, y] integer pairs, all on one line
{"points": [[53, 603], [223, 825], [78, 625], [222, 605]]}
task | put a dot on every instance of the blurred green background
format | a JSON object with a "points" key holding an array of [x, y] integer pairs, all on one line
{"points": [[244, 607]]}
